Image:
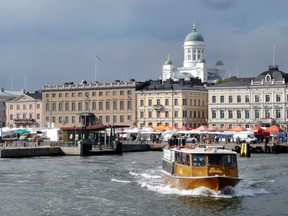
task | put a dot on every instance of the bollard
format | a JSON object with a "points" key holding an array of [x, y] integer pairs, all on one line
{"points": [[245, 150], [118, 148], [85, 149]]}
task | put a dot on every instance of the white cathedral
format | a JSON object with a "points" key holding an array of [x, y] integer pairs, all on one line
{"points": [[194, 64]]}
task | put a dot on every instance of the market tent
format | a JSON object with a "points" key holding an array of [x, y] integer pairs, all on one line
{"points": [[20, 131], [213, 128], [161, 127], [257, 129], [274, 129], [238, 128], [185, 127], [201, 128], [225, 128]]}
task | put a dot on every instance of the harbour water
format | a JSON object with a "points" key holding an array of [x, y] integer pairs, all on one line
{"points": [[131, 185]]}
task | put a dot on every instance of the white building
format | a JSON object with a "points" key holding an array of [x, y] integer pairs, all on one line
{"points": [[194, 64], [248, 101]]}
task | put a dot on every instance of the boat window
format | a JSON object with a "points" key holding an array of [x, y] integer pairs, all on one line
{"points": [[178, 157], [230, 161], [215, 160], [185, 159], [199, 160]]}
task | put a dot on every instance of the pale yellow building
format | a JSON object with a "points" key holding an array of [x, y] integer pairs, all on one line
{"points": [[174, 104], [89, 104], [24, 111]]}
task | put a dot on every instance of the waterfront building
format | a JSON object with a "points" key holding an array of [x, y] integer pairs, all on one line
{"points": [[260, 100], [194, 64], [172, 103], [25, 110], [4, 96], [88, 104]]}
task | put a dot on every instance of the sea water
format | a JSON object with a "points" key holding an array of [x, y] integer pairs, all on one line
{"points": [[131, 185]]}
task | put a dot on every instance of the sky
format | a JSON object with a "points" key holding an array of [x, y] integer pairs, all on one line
{"points": [[51, 42]]}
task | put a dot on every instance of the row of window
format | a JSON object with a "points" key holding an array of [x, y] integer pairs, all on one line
{"points": [[246, 98], [85, 106], [192, 114], [175, 102], [72, 119], [230, 114], [191, 54], [87, 94], [24, 116], [24, 106]]}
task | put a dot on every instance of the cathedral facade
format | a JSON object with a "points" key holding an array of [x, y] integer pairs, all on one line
{"points": [[194, 64]]}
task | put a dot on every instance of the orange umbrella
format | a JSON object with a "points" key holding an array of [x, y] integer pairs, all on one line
{"points": [[238, 128], [274, 129]]}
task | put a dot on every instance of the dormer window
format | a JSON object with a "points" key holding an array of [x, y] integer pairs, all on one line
{"points": [[268, 78]]}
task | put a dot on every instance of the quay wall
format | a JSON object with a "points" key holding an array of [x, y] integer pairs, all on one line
{"points": [[31, 152]]}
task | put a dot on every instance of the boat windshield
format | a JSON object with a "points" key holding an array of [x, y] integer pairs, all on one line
{"points": [[230, 161], [215, 160], [199, 160]]}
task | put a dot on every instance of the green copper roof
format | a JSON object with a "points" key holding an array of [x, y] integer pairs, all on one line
{"points": [[168, 61], [219, 63], [194, 35]]}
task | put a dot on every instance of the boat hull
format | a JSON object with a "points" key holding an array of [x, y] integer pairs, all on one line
{"points": [[215, 183]]}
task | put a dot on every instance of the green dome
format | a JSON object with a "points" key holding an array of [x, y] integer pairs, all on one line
{"points": [[194, 36], [202, 60], [168, 61], [219, 63]]}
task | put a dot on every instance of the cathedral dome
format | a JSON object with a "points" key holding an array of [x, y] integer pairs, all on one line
{"points": [[219, 63], [168, 61], [194, 36]]}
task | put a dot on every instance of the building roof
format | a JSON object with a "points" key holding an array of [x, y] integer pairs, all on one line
{"points": [[194, 36], [275, 74], [234, 82]]}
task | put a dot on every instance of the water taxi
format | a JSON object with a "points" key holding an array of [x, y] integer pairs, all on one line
{"points": [[190, 167]]}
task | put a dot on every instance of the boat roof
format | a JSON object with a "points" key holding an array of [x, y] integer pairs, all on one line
{"points": [[204, 150]]}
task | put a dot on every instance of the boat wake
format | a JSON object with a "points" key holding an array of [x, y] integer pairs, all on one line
{"points": [[151, 180]]}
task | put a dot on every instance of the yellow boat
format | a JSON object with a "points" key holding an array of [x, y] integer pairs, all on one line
{"points": [[190, 167]]}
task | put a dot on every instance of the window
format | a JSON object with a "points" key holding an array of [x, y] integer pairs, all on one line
{"points": [[238, 114], [129, 118], [247, 99], [73, 106], [175, 114], [166, 102], [114, 93], [121, 105], [66, 106], [107, 105], [149, 102], [93, 94], [222, 114], [149, 114], [247, 114], [11, 116], [107, 119], [100, 93], [222, 99], [257, 98], [107, 93], [278, 98], [100, 105], [141, 114], [24, 106], [73, 94], [38, 106], [230, 99], [129, 105], [60, 106], [115, 119], [267, 113], [158, 102], [230, 161], [257, 114], [30, 106], [278, 113], [166, 114], [267, 98], [158, 114], [175, 102], [213, 99], [46, 107], [11, 107], [215, 160], [18, 107], [53, 106], [38, 116], [141, 102], [114, 105], [66, 119], [121, 92], [230, 114], [121, 118], [129, 92], [238, 99], [213, 114], [198, 160], [184, 113], [73, 119], [94, 105], [79, 106], [79, 94], [184, 102]]}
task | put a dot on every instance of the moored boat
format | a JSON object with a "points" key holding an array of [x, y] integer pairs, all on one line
{"points": [[190, 167]]}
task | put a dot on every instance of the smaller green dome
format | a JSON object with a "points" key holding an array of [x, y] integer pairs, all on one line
{"points": [[219, 63], [194, 35], [168, 61], [202, 60]]}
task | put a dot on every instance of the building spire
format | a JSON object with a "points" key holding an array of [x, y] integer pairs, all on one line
{"points": [[194, 26]]}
